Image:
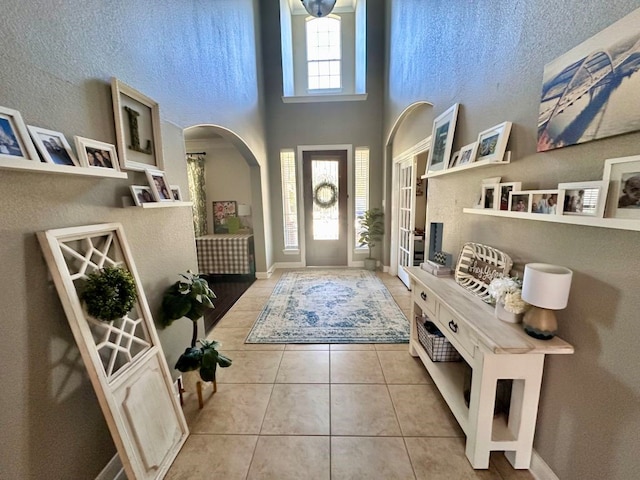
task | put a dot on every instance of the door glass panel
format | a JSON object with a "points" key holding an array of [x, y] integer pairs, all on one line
{"points": [[404, 247], [324, 184]]}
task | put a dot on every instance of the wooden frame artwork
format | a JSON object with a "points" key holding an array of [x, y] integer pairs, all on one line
{"points": [[137, 120], [15, 142], [159, 185], [492, 143], [444, 127], [622, 175], [53, 146], [582, 198], [96, 154]]}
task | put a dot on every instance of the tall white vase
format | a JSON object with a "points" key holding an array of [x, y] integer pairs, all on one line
{"points": [[505, 316]]}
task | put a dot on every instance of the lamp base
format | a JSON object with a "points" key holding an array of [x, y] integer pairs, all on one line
{"points": [[540, 323]]}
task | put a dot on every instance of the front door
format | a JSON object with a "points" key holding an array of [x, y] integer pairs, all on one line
{"points": [[324, 176]]}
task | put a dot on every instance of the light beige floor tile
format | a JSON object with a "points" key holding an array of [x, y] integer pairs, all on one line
{"points": [[291, 458], [297, 410], [250, 367], [260, 290], [403, 302], [249, 302], [304, 367], [401, 368], [398, 290], [362, 410], [356, 367], [370, 458], [238, 319], [407, 312], [443, 459], [422, 412], [214, 456], [234, 409], [233, 338], [351, 346], [502, 465], [401, 347], [307, 346]]}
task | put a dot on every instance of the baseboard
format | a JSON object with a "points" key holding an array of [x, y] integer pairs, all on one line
{"points": [[539, 468], [113, 470], [284, 265]]}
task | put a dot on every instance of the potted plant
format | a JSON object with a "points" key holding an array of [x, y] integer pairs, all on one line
{"points": [[190, 298], [372, 224]]}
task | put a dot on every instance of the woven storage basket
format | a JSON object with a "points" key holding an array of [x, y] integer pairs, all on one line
{"points": [[438, 348]]}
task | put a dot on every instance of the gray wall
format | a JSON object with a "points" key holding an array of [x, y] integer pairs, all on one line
{"points": [[200, 61], [489, 57], [357, 123]]}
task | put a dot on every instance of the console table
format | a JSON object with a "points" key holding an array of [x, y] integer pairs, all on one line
{"points": [[494, 350]]}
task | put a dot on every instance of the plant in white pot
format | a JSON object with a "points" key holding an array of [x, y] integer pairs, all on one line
{"points": [[372, 224]]}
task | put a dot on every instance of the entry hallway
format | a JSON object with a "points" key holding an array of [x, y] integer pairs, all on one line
{"points": [[323, 411]]}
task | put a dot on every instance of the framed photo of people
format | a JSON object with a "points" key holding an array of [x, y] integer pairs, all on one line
{"points": [[544, 202], [504, 189], [583, 198], [467, 154], [159, 185], [492, 143], [137, 119], [142, 194], [444, 127], [96, 154], [622, 175], [176, 193], [53, 147], [15, 142]]}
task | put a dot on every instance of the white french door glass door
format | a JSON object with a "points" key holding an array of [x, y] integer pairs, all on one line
{"points": [[406, 197]]}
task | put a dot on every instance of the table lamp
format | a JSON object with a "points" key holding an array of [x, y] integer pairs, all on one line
{"points": [[546, 287], [244, 211]]}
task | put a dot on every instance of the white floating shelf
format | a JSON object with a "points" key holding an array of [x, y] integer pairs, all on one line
{"points": [[617, 223], [35, 166], [165, 204], [481, 163]]}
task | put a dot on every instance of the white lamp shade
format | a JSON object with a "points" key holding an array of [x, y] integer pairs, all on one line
{"points": [[546, 286], [244, 210]]}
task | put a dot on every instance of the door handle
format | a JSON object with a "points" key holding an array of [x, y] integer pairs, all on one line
{"points": [[453, 326], [423, 296]]}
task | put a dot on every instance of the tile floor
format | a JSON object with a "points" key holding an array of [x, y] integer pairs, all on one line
{"points": [[323, 411]]}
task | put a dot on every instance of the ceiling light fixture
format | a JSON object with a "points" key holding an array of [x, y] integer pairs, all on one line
{"points": [[319, 8]]}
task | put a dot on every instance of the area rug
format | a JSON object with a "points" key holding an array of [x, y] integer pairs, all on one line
{"points": [[330, 306]]}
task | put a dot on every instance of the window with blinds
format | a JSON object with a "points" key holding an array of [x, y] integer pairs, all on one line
{"points": [[289, 199], [361, 188]]}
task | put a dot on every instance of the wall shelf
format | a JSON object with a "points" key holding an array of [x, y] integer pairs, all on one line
{"points": [[34, 166], [468, 166], [164, 204], [617, 223]]}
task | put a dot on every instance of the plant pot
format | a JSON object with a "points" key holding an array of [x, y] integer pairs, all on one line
{"points": [[370, 264], [505, 316]]}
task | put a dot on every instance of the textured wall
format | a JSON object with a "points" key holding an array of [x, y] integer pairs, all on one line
{"points": [[197, 59], [489, 57]]}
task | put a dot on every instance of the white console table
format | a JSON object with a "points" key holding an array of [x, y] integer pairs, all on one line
{"points": [[494, 350]]}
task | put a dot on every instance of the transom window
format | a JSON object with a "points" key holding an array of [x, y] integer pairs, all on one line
{"points": [[324, 53]]}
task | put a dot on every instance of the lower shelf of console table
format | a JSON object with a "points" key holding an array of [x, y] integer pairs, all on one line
{"points": [[494, 350]]}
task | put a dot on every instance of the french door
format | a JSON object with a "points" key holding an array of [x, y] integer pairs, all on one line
{"points": [[324, 175], [406, 221]]}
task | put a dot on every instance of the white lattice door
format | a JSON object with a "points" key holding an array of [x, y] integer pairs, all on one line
{"points": [[406, 221], [123, 357]]}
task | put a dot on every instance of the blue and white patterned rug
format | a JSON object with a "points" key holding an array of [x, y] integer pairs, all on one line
{"points": [[330, 306]]}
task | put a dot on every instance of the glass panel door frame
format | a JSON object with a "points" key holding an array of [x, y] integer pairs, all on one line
{"points": [[350, 207]]}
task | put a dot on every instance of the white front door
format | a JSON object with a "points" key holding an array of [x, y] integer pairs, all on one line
{"points": [[406, 218]]}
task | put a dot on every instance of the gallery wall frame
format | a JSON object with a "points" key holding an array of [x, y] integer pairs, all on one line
{"points": [[520, 202], [444, 127], [468, 154], [176, 193], [53, 146], [582, 198], [141, 194], [223, 210], [504, 189], [15, 142], [622, 175], [159, 185], [492, 142], [137, 119], [96, 154]]}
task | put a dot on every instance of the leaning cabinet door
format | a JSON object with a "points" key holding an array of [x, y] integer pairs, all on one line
{"points": [[123, 357]]}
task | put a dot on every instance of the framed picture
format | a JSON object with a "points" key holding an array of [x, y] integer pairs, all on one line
{"points": [[544, 202], [490, 197], [137, 128], [454, 159], [622, 175], [53, 147], [95, 154], [519, 202], [142, 194], [442, 139], [583, 198], [468, 154], [176, 193], [492, 143], [14, 138], [222, 211], [504, 189], [159, 185]]}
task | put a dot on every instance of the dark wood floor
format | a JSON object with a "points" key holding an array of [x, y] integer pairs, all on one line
{"points": [[228, 289]]}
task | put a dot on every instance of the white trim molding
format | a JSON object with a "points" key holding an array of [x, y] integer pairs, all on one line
{"points": [[539, 468], [112, 470]]}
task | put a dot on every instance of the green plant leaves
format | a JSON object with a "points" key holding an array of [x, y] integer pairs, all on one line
{"points": [[189, 360], [109, 293]]}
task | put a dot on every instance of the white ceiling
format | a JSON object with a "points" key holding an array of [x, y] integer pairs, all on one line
{"points": [[341, 6]]}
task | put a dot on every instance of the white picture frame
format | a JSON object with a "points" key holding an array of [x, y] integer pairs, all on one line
{"points": [[159, 185], [468, 154], [15, 142], [490, 198], [623, 197], [96, 154], [137, 119], [53, 146], [520, 202], [503, 192], [142, 194], [492, 143], [583, 198], [176, 193], [544, 202], [444, 127]]}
